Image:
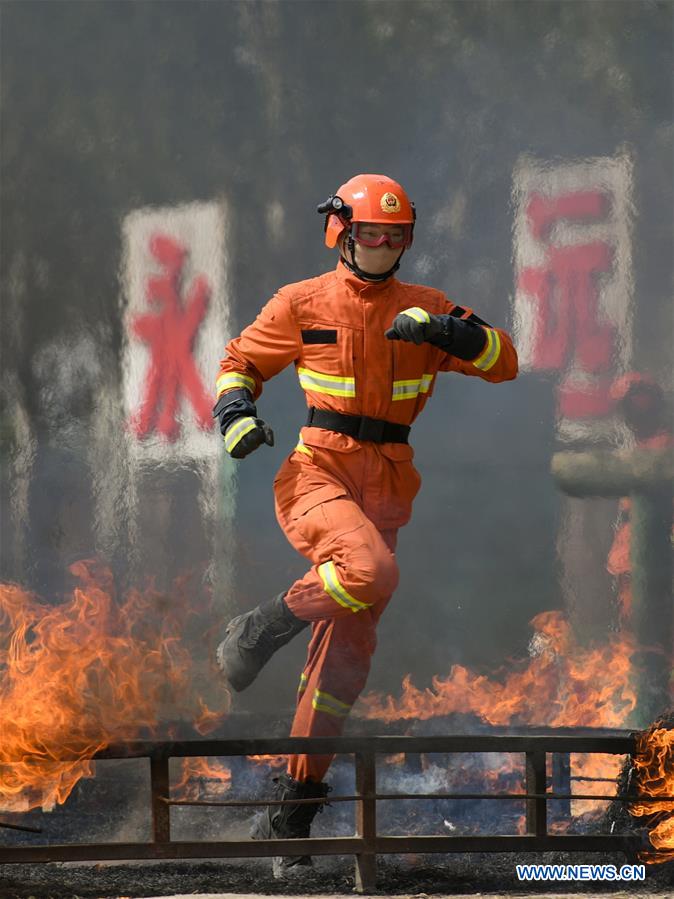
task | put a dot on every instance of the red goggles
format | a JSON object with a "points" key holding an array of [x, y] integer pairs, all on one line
{"points": [[370, 234]]}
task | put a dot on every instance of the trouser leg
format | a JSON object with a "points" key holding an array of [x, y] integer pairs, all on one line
{"points": [[354, 567], [352, 578], [336, 671]]}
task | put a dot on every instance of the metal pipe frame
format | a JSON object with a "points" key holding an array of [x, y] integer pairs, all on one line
{"points": [[367, 844]]}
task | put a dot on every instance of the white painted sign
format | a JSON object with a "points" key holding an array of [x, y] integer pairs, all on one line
{"points": [[574, 283], [176, 323]]}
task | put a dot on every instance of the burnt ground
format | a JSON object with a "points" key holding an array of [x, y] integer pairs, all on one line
{"points": [[483, 873]]}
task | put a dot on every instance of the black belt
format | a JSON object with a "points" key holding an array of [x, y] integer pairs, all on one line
{"points": [[359, 426]]}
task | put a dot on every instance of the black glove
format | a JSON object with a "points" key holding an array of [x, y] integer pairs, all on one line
{"points": [[242, 430], [245, 434], [415, 325], [463, 338]]}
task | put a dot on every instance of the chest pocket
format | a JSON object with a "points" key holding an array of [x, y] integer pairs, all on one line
{"points": [[326, 363], [413, 372]]}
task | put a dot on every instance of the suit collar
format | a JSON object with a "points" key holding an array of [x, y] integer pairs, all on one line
{"points": [[358, 285]]}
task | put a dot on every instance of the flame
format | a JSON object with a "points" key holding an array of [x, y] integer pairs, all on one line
{"points": [[562, 684], [208, 719], [606, 768], [81, 675], [202, 778], [396, 758], [654, 767], [92, 671], [274, 761]]}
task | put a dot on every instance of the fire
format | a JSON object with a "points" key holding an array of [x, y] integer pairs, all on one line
{"points": [[274, 761], [562, 684], [81, 675], [202, 778], [654, 767], [207, 720]]}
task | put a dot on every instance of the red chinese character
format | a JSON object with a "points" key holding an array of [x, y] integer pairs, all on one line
{"points": [[170, 336], [583, 206], [566, 292]]}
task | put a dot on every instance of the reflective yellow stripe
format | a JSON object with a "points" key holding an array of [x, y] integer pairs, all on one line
{"points": [[326, 708], [239, 429], [231, 379], [301, 448], [332, 385], [408, 390], [491, 352], [417, 313], [303, 683], [334, 589], [332, 700], [325, 702]]}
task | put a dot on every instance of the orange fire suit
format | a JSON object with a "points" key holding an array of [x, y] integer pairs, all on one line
{"points": [[339, 500]]}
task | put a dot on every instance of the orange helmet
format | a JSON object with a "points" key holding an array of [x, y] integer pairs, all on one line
{"points": [[367, 198]]}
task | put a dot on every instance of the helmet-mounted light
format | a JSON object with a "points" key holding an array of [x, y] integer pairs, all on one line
{"points": [[336, 205]]}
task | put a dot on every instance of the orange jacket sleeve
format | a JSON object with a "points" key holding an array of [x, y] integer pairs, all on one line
{"points": [[262, 350], [496, 362]]}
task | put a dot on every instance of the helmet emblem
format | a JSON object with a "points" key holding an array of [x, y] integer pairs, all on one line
{"points": [[390, 203]]}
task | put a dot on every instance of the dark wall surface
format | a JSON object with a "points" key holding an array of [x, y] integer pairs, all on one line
{"points": [[112, 106]]}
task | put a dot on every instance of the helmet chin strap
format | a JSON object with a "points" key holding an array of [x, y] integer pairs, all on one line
{"points": [[366, 276]]}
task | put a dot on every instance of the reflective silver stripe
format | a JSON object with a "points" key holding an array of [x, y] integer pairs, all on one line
{"points": [[237, 430], [334, 589], [303, 683], [426, 381], [231, 379], [405, 390], [301, 448], [491, 352], [325, 702], [417, 313], [332, 385]]}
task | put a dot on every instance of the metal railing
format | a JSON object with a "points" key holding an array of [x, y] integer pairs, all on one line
{"points": [[367, 843]]}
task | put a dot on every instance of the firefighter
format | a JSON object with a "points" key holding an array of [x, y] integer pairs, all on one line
{"points": [[367, 349]]}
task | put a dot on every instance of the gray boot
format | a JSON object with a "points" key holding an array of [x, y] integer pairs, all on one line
{"points": [[252, 639], [288, 822]]}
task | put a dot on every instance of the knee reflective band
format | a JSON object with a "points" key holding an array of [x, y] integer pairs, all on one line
{"points": [[325, 702], [333, 588]]}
